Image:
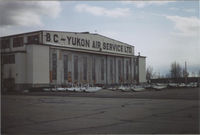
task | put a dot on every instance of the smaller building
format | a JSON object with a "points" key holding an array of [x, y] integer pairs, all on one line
{"points": [[55, 58]]}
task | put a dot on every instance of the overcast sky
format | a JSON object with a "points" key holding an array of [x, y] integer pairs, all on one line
{"points": [[162, 31]]}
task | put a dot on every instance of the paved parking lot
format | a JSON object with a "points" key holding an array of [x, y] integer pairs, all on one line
{"points": [[164, 111]]}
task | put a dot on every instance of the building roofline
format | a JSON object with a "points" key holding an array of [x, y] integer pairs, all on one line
{"points": [[12, 35], [141, 56]]}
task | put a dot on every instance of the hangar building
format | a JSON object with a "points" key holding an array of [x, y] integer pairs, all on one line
{"points": [[55, 58]]}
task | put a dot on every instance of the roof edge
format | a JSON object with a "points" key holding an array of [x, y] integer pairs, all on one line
{"points": [[65, 32]]}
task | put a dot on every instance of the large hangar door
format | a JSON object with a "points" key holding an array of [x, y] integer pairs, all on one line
{"points": [[119, 72], [65, 67], [76, 69], [93, 70], [54, 66], [85, 64], [111, 71]]}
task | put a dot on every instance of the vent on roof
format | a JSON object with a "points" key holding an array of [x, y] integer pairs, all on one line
{"points": [[85, 32]]}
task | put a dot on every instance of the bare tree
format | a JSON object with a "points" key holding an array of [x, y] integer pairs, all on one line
{"points": [[149, 73], [176, 70], [185, 73], [168, 75], [193, 74], [199, 74]]}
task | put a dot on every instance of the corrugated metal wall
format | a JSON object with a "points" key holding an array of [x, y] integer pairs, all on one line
{"points": [[87, 68]]}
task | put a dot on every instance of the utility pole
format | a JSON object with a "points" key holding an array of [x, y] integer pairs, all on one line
{"points": [[185, 74]]}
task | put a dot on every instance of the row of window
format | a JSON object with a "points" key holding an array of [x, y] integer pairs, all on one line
{"points": [[8, 59], [5, 43], [19, 41]]}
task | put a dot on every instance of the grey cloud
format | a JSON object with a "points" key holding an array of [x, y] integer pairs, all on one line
{"points": [[186, 26], [27, 13], [101, 11]]}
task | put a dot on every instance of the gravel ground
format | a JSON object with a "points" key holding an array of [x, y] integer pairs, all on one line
{"points": [[104, 112]]}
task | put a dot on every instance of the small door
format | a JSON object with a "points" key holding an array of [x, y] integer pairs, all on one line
{"points": [[9, 84]]}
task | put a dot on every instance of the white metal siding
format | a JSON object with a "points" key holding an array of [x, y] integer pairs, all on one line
{"points": [[20, 67], [29, 61], [40, 64], [37, 64], [142, 69]]}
